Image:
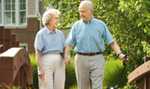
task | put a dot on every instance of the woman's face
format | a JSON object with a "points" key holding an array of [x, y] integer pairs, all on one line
{"points": [[53, 22]]}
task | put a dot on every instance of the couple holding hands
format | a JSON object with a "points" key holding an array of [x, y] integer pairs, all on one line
{"points": [[87, 36]]}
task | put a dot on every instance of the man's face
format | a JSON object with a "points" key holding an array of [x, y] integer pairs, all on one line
{"points": [[85, 13]]}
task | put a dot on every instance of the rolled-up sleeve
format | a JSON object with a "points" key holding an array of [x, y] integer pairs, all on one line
{"points": [[38, 43], [71, 40]]}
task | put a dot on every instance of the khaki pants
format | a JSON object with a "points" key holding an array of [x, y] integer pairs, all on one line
{"points": [[89, 71], [54, 68]]}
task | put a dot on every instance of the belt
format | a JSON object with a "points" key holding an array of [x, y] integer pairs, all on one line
{"points": [[89, 54]]}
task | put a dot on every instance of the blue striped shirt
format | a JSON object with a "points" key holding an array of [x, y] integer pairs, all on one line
{"points": [[47, 41], [89, 37]]}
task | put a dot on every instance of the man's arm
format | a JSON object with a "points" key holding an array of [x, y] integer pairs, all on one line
{"points": [[117, 50]]}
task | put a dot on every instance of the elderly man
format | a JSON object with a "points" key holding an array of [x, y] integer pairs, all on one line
{"points": [[88, 37], [49, 44]]}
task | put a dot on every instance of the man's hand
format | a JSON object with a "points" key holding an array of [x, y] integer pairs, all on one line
{"points": [[124, 57]]}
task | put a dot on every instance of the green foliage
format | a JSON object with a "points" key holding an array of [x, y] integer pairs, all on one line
{"points": [[70, 76], [114, 74], [129, 22], [69, 9], [34, 73], [128, 86]]}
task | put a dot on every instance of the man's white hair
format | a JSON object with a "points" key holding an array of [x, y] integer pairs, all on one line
{"points": [[48, 14], [86, 4]]}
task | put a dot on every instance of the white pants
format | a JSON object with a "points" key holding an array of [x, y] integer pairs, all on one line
{"points": [[89, 71], [54, 69]]}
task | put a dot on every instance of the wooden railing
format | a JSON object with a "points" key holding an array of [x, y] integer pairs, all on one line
{"points": [[141, 76]]}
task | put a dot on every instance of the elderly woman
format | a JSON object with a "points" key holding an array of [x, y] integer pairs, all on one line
{"points": [[49, 44]]}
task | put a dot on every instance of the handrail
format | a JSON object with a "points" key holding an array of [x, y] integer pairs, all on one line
{"points": [[11, 52], [139, 72]]}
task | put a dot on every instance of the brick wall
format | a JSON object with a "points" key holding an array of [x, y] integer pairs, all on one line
{"points": [[7, 40], [22, 36]]}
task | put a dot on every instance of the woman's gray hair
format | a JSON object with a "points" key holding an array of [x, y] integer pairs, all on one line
{"points": [[87, 4], [48, 14]]}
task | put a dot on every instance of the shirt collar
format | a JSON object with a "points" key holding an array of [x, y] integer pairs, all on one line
{"points": [[88, 22], [50, 31]]}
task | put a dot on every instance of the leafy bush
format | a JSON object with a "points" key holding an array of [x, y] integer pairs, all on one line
{"points": [[128, 86], [35, 73], [114, 74], [70, 75]]}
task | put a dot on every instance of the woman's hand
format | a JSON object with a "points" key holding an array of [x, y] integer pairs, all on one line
{"points": [[41, 74]]}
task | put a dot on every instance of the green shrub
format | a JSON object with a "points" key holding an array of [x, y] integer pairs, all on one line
{"points": [[73, 87], [70, 76], [114, 74], [35, 73], [128, 86]]}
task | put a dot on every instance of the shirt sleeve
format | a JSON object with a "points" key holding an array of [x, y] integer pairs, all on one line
{"points": [[38, 43], [71, 38], [107, 35]]}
